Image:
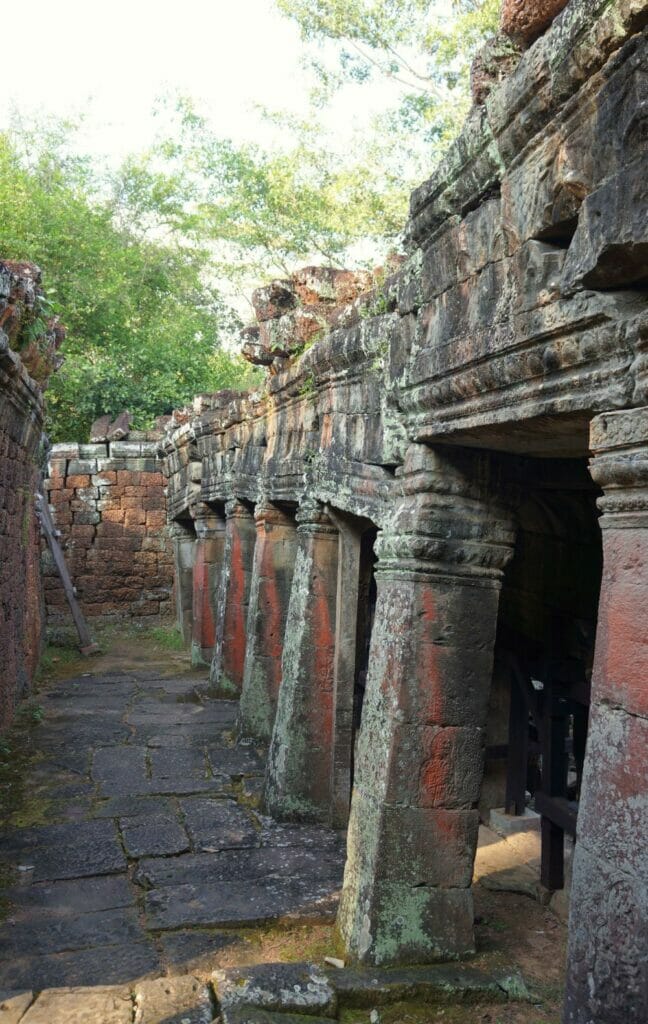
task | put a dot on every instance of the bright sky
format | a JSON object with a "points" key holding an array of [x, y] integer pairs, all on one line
{"points": [[113, 59]]}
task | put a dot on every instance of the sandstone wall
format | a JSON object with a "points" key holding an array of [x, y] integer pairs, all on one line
{"points": [[418, 405], [108, 503], [21, 421]]}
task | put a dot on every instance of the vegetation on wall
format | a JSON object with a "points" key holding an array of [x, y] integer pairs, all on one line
{"points": [[137, 259]]}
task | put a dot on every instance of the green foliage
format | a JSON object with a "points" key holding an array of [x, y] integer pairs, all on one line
{"points": [[265, 211], [143, 318], [424, 47]]}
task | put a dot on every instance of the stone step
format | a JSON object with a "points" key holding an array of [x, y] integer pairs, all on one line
{"points": [[275, 993]]}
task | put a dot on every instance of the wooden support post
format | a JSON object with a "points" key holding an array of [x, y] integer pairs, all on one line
{"points": [[87, 645]]}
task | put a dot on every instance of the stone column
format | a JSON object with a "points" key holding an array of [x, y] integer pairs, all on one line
{"points": [[607, 979], [413, 825], [298, 777], [208, 560], [346, 634], [233, 596], [183, 541], [274, 562]]}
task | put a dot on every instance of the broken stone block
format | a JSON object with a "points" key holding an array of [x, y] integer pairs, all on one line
{"points": [[13, 1006], [287, 988], [525, 20], [99, 429], [179, 1000], [273, 300], [110, 1005], [119, 428]]}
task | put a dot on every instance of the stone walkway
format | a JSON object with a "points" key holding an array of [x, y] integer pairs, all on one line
{"points": [[155, 853]]}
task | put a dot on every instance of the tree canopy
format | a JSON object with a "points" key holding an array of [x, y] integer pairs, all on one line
{"points": [[137, 258], [143, 316]]}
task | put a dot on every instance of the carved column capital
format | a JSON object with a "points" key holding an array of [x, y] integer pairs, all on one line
{"points": [[312, 518], [178, 530], [619, 444], [267, 514], [207, 521], [235, 509], [447, 522]]}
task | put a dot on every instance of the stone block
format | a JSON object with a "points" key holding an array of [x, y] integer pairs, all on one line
{"points": [[80, 467], [93, 451], [110, 1005], [284, 988], [13, 1006], [511, 824], [525, 20], [180, 1000]]}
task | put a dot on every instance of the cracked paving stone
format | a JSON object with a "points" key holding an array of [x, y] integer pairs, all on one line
{"points": [[218, 825], [80, 896], [236, 903], [285, 988], [40, 933], [104, 1004], [102, 965], [235, 761], [180, 1000], [240, 865], [153, 835], [195, 949]]}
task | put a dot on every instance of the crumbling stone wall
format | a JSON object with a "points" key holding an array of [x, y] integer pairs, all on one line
{"points": [[27, 357], [108, 503], [514, 331]]}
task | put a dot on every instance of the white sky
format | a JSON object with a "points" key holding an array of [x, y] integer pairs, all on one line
{"points": [[113, 59]]}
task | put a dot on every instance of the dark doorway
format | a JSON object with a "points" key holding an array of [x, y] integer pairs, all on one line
{"points": [[544, 651]]}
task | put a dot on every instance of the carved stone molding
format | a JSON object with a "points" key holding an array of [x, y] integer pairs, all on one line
{"points": [[619, 443], [447, 521], [312, 518], [267, 514], [235, 509]]}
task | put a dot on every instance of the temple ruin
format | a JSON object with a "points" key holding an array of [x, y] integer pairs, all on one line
{"points": [[442, 497], [418, 556]]}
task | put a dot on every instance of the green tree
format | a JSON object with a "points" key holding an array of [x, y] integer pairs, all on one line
{"points": [[142, 313], [424, 47]]}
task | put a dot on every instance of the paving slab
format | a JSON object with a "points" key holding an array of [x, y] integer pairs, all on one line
{"points": [[90, 851], [236, 761], [219, 825], [102, 965], [180, 1000], [232, 904], [241, 865], [121, 761], [105, 1005], [131, 806], [185, 951], [40, 933], [153, 835], [79, 896]]}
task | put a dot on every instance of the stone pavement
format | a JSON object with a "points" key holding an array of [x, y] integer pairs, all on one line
{"points": [[152, 854]]}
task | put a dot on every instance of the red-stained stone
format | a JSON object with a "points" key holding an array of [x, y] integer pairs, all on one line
{"points": [[525, 20]]}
